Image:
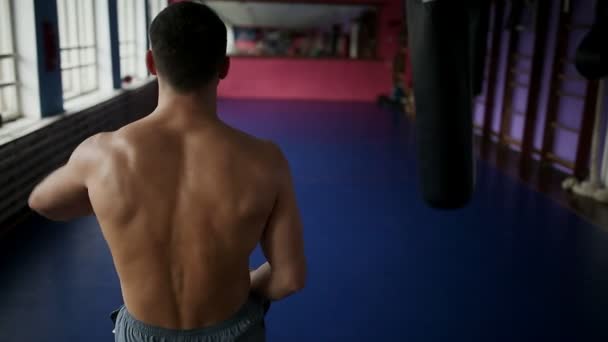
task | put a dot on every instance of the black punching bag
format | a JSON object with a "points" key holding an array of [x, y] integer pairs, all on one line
{"points": [[441, 48], [591, 60]]}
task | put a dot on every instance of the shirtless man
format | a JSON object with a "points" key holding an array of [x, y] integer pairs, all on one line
{"points": [[183, 199]]}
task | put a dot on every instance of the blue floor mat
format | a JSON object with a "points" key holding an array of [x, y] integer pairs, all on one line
{"points": [[512, 266]]}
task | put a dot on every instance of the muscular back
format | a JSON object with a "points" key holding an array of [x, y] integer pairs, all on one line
{"points": [[182, 204]]}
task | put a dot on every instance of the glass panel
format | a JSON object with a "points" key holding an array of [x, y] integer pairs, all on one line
{"points": [[131, 22], [6, 36], [66, 80], [7, 70], [91, 55], [74, 57], [65, 59], [91, 78], [89, 24], [121, 20], [71, 23], [10, 102], [2, 102], [62, 23], [86, 79], [76, 79]]}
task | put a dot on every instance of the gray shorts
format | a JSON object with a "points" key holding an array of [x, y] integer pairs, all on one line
{"points": [[246, 325]]}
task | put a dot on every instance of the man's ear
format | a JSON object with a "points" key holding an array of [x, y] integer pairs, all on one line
{"points": [[150, 63], [224, 68]]}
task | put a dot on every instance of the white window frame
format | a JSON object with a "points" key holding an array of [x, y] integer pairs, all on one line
{"points": [[132, 39], [14, 112], [127, 37], [76, 69], [155, 6]]}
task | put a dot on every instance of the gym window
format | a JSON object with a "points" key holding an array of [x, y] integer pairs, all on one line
{"points": [[9, 102], [154, 7], [78, 47], [131, 39]]}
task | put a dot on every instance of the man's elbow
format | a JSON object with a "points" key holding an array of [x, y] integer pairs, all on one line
{"points": [[296, 281], [286, 286], [296, 285], [37, 203]]}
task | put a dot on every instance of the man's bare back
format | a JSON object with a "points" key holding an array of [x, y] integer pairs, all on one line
{"points": [[182, 206], [183, 199]]}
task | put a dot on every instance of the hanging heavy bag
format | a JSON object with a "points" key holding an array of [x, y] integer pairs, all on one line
{"points": [[441, 47], [591, 60]]}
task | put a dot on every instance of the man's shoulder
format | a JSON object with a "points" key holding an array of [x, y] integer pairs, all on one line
{"points": [[258, 146], [276, 162], [270, 150], [92, 146], [267, 154], [274, 151], [101, 149]]}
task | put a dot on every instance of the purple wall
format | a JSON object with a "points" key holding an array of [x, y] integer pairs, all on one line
{"points": [[570, 109]]}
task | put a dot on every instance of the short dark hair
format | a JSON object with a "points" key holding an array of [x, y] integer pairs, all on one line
{"points": [[188, 43]]}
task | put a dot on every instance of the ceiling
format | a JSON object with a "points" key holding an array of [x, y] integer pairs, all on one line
{"points": [[284, 15]]}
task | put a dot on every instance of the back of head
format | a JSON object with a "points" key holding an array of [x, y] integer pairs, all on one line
{"points": [[188, 43]]}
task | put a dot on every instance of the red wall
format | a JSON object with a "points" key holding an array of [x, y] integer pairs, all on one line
{"points": [[341, 80], [337, 80]]}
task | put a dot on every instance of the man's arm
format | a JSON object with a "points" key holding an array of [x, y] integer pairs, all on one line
{"points": [[63, 195], [283, 246]]}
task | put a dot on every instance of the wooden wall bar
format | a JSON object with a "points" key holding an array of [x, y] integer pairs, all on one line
{"points": [[525, 87]]}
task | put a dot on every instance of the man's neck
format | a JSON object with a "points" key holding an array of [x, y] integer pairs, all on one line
{"points": [[201, 103]]}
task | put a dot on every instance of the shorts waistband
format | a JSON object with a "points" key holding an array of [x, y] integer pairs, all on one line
{"points": [[250, 314]]}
